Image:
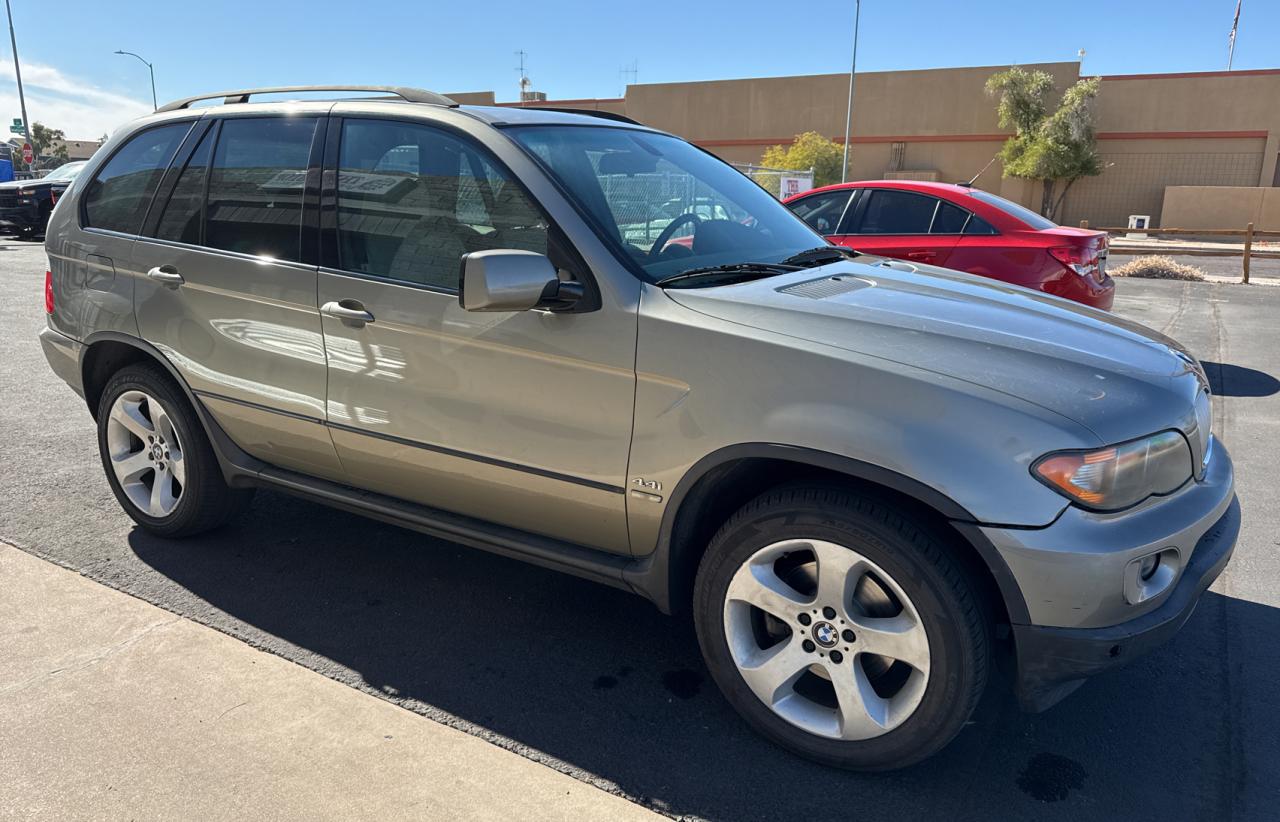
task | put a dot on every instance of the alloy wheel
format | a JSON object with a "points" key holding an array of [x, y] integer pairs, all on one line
{"points": [[826, 639], [146, 454]]}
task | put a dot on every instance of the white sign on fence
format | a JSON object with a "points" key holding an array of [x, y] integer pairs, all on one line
{"points": [[791, 186]]}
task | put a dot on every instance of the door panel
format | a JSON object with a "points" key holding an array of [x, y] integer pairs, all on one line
{"points": [[242, 327], [522, 419]]}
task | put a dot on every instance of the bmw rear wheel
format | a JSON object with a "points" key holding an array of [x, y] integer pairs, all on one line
{"points": [[157, 457], [840, 630]]}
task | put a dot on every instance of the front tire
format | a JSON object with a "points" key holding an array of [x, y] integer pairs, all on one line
{"points": [[157, 457], [840, 630]]}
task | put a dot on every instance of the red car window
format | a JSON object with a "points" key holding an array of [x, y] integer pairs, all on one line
{"points": [[897, 212]]}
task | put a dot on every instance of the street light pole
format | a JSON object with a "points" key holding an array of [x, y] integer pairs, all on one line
{"points": [[151, 68], [17, 72], [853, 73]]}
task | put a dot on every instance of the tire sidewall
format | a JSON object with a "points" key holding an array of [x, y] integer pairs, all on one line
{"points": [[954, 673], [144, 379]]}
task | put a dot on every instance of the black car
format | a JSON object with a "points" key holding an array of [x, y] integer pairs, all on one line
{"points": [[25, 205]]}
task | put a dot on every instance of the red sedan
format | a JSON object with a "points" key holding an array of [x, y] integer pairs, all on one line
{"points": [[962, 228]]}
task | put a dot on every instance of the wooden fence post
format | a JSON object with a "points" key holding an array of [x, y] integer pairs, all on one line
{"points": [[1248, 246]]}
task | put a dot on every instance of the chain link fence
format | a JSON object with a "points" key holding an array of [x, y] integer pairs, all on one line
{"points": [[780, 182], [645, 204]]}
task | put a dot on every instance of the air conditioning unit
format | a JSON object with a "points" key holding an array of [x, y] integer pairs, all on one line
{"points": [[1137, 224]]}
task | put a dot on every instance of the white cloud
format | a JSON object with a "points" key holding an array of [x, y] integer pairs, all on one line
{"points": [[82, 110]]}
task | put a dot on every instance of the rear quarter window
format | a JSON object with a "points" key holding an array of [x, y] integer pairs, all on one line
{"points": [[1020, 213], [120, 193]]}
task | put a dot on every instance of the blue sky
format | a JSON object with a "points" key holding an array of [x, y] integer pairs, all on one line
{"points": [[576, 49]]}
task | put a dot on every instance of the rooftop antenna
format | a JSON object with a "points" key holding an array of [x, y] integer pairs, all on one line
{"points": [[975, 177], [1080, 54], [525, 83], [633, 70]]}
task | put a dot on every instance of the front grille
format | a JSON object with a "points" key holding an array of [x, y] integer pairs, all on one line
{"points": [[8, 201]]}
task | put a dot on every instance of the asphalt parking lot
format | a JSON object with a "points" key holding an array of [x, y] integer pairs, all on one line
{"points": [[594, 682]]}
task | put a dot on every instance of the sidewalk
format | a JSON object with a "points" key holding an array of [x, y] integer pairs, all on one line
{"points": [[111, 708], [1180, 245]]}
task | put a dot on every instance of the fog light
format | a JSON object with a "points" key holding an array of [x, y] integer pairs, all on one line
{"points": [[1150, 576]]}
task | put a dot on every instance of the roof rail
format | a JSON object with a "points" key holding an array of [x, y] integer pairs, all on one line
{"points": [[590, 112], [409, 95]]}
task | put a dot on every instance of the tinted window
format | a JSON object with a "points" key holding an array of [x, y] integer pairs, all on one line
{"points": [[120, 193], [950, 219], [1014, 210], [897, 212], [822, 211], [182, 215], [412, 200], [255, 186], [977, 225]]}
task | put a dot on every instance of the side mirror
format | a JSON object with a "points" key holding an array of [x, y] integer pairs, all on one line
{"points": [[506, 279]]}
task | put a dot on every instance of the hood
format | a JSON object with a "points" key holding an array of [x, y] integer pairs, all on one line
{"points": [[1115, 377], [13, 185]]}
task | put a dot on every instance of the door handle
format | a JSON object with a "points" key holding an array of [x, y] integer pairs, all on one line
{"points": [[351, 312], [166, 275], [922, 256]]}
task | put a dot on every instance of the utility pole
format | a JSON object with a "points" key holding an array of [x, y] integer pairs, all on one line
{"points": [[155, 105], [17, 71], [1231, 44], [853, 73]]}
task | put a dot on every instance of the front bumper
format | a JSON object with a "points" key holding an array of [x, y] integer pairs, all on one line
{"points": [[1053, 662], [1072, 575]]}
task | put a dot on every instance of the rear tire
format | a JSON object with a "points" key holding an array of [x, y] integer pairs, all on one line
{"points": [[157, 457], [840, 630]]}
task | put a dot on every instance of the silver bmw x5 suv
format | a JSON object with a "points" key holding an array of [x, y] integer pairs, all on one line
{"points": [[864, 480]]}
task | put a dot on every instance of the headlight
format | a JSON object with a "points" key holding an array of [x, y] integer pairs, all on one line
{"points": [[1119, 476]]}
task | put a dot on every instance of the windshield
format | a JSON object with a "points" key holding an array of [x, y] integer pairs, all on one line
{"points": [[64, 172], [665, 204], [1014, 210]]}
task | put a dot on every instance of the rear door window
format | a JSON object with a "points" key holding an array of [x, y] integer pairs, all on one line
{"points": [[256, 186], [897, 212], [184, 213], [121, 191]]}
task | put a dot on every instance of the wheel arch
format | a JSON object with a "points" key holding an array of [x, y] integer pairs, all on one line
{"points": [[725, 480], [106, 352]]}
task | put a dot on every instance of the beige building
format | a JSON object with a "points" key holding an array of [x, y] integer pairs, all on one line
{"points": [[1154, 130], [77, 149]]}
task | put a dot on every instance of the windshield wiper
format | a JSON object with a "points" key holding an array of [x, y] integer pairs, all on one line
{"points": [[821, 255], [733, 271]]}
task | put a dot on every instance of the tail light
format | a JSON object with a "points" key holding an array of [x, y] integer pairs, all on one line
{"points": [[48, 292], [53, 197], [1082, 260]]}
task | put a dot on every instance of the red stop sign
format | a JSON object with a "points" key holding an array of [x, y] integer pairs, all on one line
{"points": [[28, 156]]}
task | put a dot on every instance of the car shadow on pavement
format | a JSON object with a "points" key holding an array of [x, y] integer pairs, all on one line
{"points": [[597, 679], [1227, 380]]}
